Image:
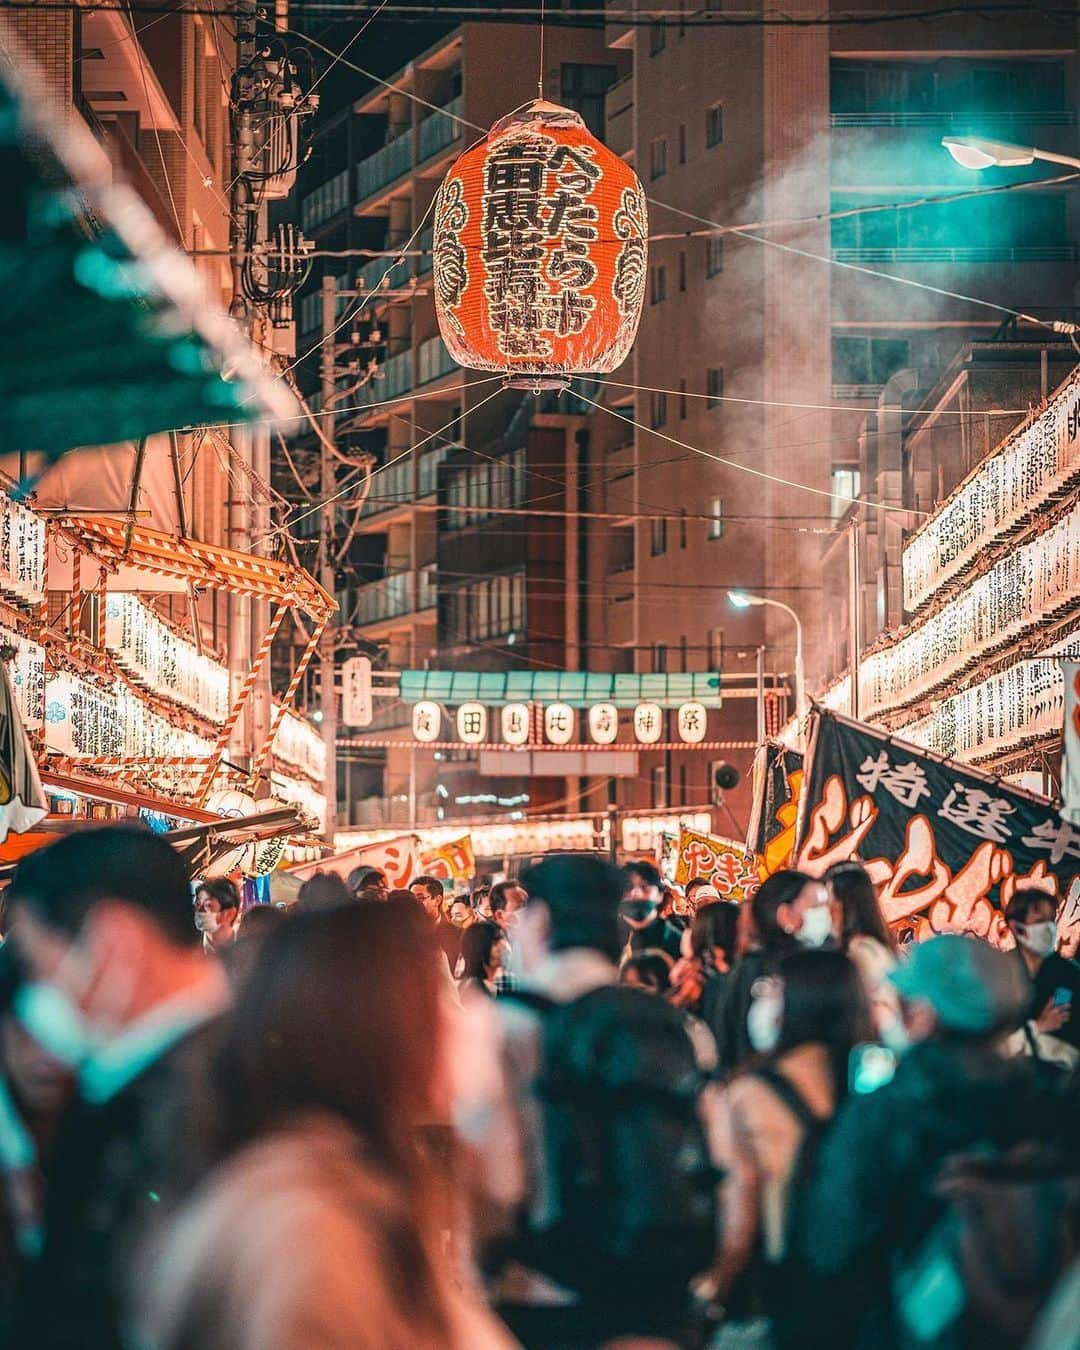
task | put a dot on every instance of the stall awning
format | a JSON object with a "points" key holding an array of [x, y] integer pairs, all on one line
{"points": [[578, 688], [118, 544], [108, 332]]}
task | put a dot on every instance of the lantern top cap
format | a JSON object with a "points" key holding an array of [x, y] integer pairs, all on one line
{"points": [[541, 110]]}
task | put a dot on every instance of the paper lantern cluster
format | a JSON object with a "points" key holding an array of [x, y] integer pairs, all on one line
{"points": [[539, 251], [559, 722]]}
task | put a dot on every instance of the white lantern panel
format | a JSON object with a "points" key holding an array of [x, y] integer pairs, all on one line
{"points": [[559, 723], [693, 722], [472, 723], [603, 723], [515, 723], [426, 721], [648, 723]]}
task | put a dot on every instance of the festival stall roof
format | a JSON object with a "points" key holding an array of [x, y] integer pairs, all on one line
{"points": [[108, 333], [190, 562], [578, 688]]}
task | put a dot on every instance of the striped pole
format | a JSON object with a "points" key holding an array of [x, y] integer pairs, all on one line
{"points": [[238, 706], [287, 698]]}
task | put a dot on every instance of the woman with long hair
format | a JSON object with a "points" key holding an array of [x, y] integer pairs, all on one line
{"points": [[790, 910], [766, 1129], [318, 1226], [700, 979], [862, 933], [484, 953]]}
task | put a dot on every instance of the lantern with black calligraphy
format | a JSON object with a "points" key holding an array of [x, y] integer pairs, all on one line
{"points": [[539, 251]]}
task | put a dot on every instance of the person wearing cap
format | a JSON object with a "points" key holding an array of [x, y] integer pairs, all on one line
{"points": [[872, 1197]]}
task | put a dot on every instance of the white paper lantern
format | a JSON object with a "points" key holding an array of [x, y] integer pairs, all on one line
{"points": [[426, 721], [648, 723], [559, 723], [603, 723], [693, 721], [472, 723], [515, 723]]}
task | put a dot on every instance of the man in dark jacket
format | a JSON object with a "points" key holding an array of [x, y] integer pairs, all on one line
{"points": [[642, 927], [120, 990], [872, 1201], [1055, 979]]}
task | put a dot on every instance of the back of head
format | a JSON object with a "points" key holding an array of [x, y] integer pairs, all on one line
{"points": [[973, 990], [715, 925], [582, 894], [338, 1015], [782, 888], [644, 870], [325, 890], [61, 883], [854, 892], [1023, 901], [824, 1001], [651, 970], [363, 876], [496, 898]]}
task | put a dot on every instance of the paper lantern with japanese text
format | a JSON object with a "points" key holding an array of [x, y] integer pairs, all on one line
{"points": [[539, 251]]}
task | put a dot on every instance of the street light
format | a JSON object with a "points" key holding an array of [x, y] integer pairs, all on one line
{"points": [[975, 152], [744, 600]]}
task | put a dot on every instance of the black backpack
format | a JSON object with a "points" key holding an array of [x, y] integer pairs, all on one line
{"points": [[628, 1195], [1011, 1228]]}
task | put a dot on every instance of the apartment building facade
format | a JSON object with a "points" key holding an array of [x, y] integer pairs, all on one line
{"points": [[786, 352]]}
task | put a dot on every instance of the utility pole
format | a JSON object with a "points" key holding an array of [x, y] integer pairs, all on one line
{"points": [[855, 610], [327, 487], [240, 205]]}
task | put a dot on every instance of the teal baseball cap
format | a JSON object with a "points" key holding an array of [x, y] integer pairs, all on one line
{"points": [[972, 987]]}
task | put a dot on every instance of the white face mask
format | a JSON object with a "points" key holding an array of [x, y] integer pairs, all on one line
{"points": [[52, 1018], [1039, 938], [816, 926], [763, 1022], [207, 922]]}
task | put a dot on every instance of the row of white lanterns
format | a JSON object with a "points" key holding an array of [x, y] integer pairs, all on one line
{"points": [[560, 723]]}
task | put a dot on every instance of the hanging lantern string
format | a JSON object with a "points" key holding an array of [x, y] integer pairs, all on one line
{"points": [[328, 501], [540, 73], [745, 468]]}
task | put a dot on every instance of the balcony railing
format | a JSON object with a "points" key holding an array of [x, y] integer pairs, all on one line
{"points": [[433, 360], [394, 486], [439, 130], [422, 259], [394, 596], [384, 166], [327, 200], [856, 390], [965, 254], [956, 121], [383, 274]]}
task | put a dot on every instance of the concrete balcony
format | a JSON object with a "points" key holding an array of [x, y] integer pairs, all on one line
{"points": [[327, 200], [438, 130], [433, 361], [394, 597], [384, 167], [395, 488], [619, 117]]}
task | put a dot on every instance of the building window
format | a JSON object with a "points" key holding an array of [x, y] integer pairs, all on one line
{"points": [[517, 601], [867, 361], [846, 481], [716, 649], [583, 89], [682, 142], [659, 785], [716, 518], [714, 386], [657, 39], [659, 410], [682, 400], [682, 271], [682, 544], [714, 124], [658, 157], [714, 255], [684, 783], [659, 658], [658, 287], [659, 536]]}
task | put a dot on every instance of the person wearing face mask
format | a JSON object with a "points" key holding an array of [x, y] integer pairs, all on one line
{"points": [[217, 913], [789, 911], [639, 914], [804, 1023], [117, 989], [867, 1220], [1056, 979]]}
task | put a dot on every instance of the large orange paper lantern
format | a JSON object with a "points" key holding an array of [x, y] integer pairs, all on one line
{"points": [[540, 252]]}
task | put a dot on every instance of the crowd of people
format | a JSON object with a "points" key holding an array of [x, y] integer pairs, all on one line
{"points": [[574, 1109]]}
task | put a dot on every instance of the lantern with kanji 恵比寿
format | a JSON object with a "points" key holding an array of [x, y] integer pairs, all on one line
{"points": [[539, 251]]}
